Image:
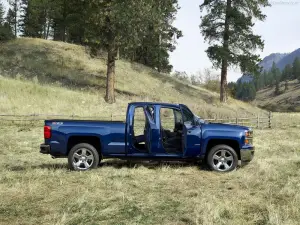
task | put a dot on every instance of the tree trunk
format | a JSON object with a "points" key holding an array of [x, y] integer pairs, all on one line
{"points": [[45, 25], [48, 28], [223, 86], [16, 16], [110, 79], [118, 54]]}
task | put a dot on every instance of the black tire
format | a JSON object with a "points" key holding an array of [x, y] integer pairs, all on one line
{"points": [[86, 155], [220, 162]]}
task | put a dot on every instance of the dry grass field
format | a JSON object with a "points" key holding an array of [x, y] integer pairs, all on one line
{"points": [[35, 189]]}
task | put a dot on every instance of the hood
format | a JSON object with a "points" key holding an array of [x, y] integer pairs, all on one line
{"points": [[223, 126]]}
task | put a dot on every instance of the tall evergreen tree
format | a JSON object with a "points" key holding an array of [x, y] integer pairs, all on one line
{"points": [[160, 39], [10, 18], [227, 26], [118, 23], [286, 85], [265, 78], [252, 91], [276, 74], [286, 73], [5, 29], [31, 19], [13, 15], [2, 13], [296, 68], [277, 88]]}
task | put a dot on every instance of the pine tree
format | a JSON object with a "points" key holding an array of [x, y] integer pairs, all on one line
{"points": [[160, 39], [286, 85], [2, 12], [252, 91], [296, 69], [227, 26], [275, 75], [36, 17], [5, 29], [13, 15], [287, 73], [265, 79], [277, 89], [119, 23]]}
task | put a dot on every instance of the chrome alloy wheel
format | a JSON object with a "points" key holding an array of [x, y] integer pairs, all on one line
{"points": [[223, 160], [82, 159]]}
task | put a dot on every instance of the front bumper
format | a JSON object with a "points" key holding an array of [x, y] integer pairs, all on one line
{"points": [[247, 154], [44, 149]]}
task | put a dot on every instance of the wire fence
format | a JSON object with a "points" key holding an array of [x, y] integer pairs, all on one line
{"points": [[258, 121]]}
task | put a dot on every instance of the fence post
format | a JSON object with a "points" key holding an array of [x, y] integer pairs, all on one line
{"points": [[257, 123], [270, 116]]}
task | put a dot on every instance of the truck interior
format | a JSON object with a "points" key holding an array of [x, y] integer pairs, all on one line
{"points": [[140, 125], [171, 128]]}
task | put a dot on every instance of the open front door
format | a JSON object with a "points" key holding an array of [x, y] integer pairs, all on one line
{"points": [[191, 134], [141, 131]]}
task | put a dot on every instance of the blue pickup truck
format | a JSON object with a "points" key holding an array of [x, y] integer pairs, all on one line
{"points": [[152, 131]]}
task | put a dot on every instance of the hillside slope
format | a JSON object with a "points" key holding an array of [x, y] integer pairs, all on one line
{"points": [[53, 77], [288, 101]]}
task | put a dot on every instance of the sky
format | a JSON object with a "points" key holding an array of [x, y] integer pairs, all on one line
{"points": [[280, 31]]}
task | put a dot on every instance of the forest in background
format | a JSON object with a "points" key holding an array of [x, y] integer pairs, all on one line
{"points": [[141, 33]]}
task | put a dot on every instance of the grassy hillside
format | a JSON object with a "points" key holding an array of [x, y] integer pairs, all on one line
{"points": [[288, 101], [53, 77]]}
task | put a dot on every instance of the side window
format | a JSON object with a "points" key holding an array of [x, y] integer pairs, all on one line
{"points": [[178, 117], [188, 117], [169, 117], [139, 121]]}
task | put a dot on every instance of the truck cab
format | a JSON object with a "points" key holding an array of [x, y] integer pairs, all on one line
{"points": [[152, 131]]}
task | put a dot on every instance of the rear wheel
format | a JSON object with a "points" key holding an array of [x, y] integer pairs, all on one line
{"points": [[83, 157], [222, 158]]}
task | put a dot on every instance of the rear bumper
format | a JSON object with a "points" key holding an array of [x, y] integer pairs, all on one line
{"points": [[247, 154], [44, 149]]}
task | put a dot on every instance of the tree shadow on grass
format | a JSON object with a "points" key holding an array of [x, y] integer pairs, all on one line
{"points": [[119, 164], [116, 164], [48, 166]]}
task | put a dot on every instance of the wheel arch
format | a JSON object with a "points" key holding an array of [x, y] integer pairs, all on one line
{"points": [[77, 139], [230, 142]]}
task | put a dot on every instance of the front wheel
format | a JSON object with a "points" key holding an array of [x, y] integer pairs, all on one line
{"points": [[222, 158], [83, 157]]}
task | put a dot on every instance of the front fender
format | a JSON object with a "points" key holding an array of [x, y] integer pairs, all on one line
{"points": [[220, 135]]}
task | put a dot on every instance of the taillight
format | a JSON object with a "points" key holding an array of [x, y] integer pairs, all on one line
{"points": [[47, 132]]}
